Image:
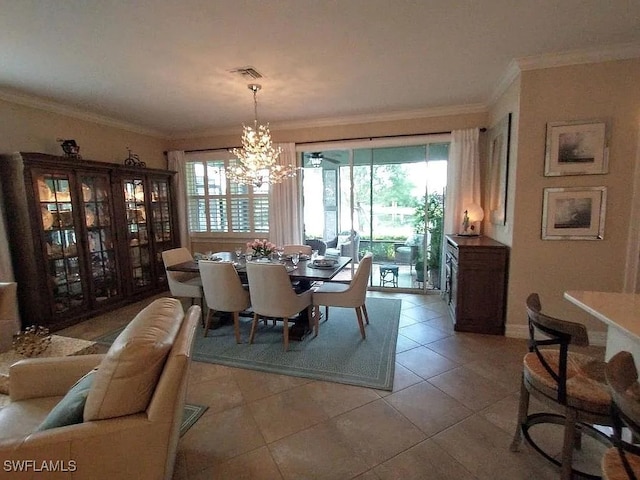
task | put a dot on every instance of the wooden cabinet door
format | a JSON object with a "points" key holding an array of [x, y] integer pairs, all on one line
{"points": [[100, 235], [60, 234]]}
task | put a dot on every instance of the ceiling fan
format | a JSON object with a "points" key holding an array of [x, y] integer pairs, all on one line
{"points": [[316, 158]]}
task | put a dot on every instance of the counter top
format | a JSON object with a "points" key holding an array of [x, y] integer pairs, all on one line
{"points": [[621, 310]]}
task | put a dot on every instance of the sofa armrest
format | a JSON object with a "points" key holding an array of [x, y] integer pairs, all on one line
{"points": [[49, 376]]}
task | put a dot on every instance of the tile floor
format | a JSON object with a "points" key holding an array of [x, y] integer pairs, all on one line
{"points": [[451, 414]]}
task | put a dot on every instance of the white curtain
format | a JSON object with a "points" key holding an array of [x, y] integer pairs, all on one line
{"points": [[463, 177], [285, 207], [176, 162]]}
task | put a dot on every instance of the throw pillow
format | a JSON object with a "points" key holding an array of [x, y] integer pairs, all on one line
{"points": [[70, 409]]}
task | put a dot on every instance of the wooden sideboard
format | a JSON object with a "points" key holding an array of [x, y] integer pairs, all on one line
{"points": [[476, 283]]}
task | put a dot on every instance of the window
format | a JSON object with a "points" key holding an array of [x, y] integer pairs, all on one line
{"points": [[215, 205]]}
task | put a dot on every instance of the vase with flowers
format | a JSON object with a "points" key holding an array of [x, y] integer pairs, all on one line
{"points": [[261, 248]]}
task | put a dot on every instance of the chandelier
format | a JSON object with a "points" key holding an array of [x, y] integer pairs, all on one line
{"points": [[257, 160]]}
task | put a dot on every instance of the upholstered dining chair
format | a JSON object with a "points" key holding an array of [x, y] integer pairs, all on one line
{"points": [[182, 284], [571, 382], [273, 296], [622, 461], [223, 292], [289, 249], [352, 295]]}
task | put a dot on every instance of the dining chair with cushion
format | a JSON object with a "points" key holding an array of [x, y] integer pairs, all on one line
{"points": [[622, 461], [303, 249], [273, 296], [182, 284], [352, 295], [223, 292], [566, 381]]}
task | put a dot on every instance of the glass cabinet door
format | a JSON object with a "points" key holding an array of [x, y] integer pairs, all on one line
{"points": [[61, 237], [100, 237], [137, 233], [162, 228]]}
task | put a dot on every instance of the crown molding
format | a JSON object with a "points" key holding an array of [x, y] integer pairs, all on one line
{"points": [[58, 108], [347, 120], [610, 53], [575, 57]]}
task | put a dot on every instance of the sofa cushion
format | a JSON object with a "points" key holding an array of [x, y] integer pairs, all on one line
{"points": [[127, 376], [69, 410]]}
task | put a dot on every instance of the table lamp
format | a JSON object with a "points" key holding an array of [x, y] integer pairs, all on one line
{"points": [[473, 213]]}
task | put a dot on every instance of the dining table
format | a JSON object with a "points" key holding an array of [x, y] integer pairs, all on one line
{"points": [[304, 275], [620, 312]]}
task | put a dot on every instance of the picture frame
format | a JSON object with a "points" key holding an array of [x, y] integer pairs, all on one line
{"points": [[574, 213], [576, 148], [499, 139]]}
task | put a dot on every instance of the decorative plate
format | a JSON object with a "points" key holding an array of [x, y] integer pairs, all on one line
{"points": [[44, 192], [86, 193], [47, 218]]}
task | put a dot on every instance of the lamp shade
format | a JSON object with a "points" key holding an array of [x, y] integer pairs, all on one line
{"points": [[474, 212]]}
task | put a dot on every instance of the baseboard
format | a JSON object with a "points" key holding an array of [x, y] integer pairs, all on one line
{"points": [[597, 339]]}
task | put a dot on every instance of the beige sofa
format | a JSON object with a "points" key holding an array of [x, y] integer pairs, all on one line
{"points": [[130, 422]]}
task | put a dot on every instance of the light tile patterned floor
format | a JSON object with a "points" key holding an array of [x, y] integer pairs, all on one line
{"points": [[451, 414]]}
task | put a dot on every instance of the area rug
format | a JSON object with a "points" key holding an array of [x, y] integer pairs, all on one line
{"points": [[337, 354], [190, 416]]}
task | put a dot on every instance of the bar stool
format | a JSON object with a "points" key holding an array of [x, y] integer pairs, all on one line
{"points": [[569, 381], [623, 461], [389, 275]]}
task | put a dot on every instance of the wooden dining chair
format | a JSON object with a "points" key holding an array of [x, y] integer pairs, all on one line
{"points": [[622, 461], [352, 295], [223, 292], [273, 296], [570, 382]]}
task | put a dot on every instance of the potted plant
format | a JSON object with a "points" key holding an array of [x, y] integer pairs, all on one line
{"points": [[429, 218]]}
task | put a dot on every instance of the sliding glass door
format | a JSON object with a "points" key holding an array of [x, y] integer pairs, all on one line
{"points": [[377, 200]]}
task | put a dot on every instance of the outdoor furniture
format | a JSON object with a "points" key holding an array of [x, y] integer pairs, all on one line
{"points": [[389, 275], [347, 246], [318, 245], [352, 295], [223, 292], [569, 382]]}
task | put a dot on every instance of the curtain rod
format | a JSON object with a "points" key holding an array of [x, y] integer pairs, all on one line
{"points": [[482, 129]]}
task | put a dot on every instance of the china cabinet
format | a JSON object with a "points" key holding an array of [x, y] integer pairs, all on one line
{"points": [[476, 283], [84, 236]]}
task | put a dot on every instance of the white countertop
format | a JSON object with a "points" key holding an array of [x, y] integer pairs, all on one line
{"points": [[621, 310]]}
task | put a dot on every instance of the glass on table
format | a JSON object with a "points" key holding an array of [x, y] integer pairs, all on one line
{"points": [[238, 252], [295, 258]]}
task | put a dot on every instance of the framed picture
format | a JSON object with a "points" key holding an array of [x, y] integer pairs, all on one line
{"points": [[575, 213], [575, 148], [499, 144]]}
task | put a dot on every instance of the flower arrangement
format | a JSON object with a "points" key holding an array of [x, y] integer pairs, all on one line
{"points": [[261, 248]]}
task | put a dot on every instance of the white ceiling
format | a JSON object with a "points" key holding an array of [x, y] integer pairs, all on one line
{"points": [[165, 65]]}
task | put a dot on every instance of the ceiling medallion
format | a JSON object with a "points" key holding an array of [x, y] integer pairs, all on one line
{"points": [[257, 160]]}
